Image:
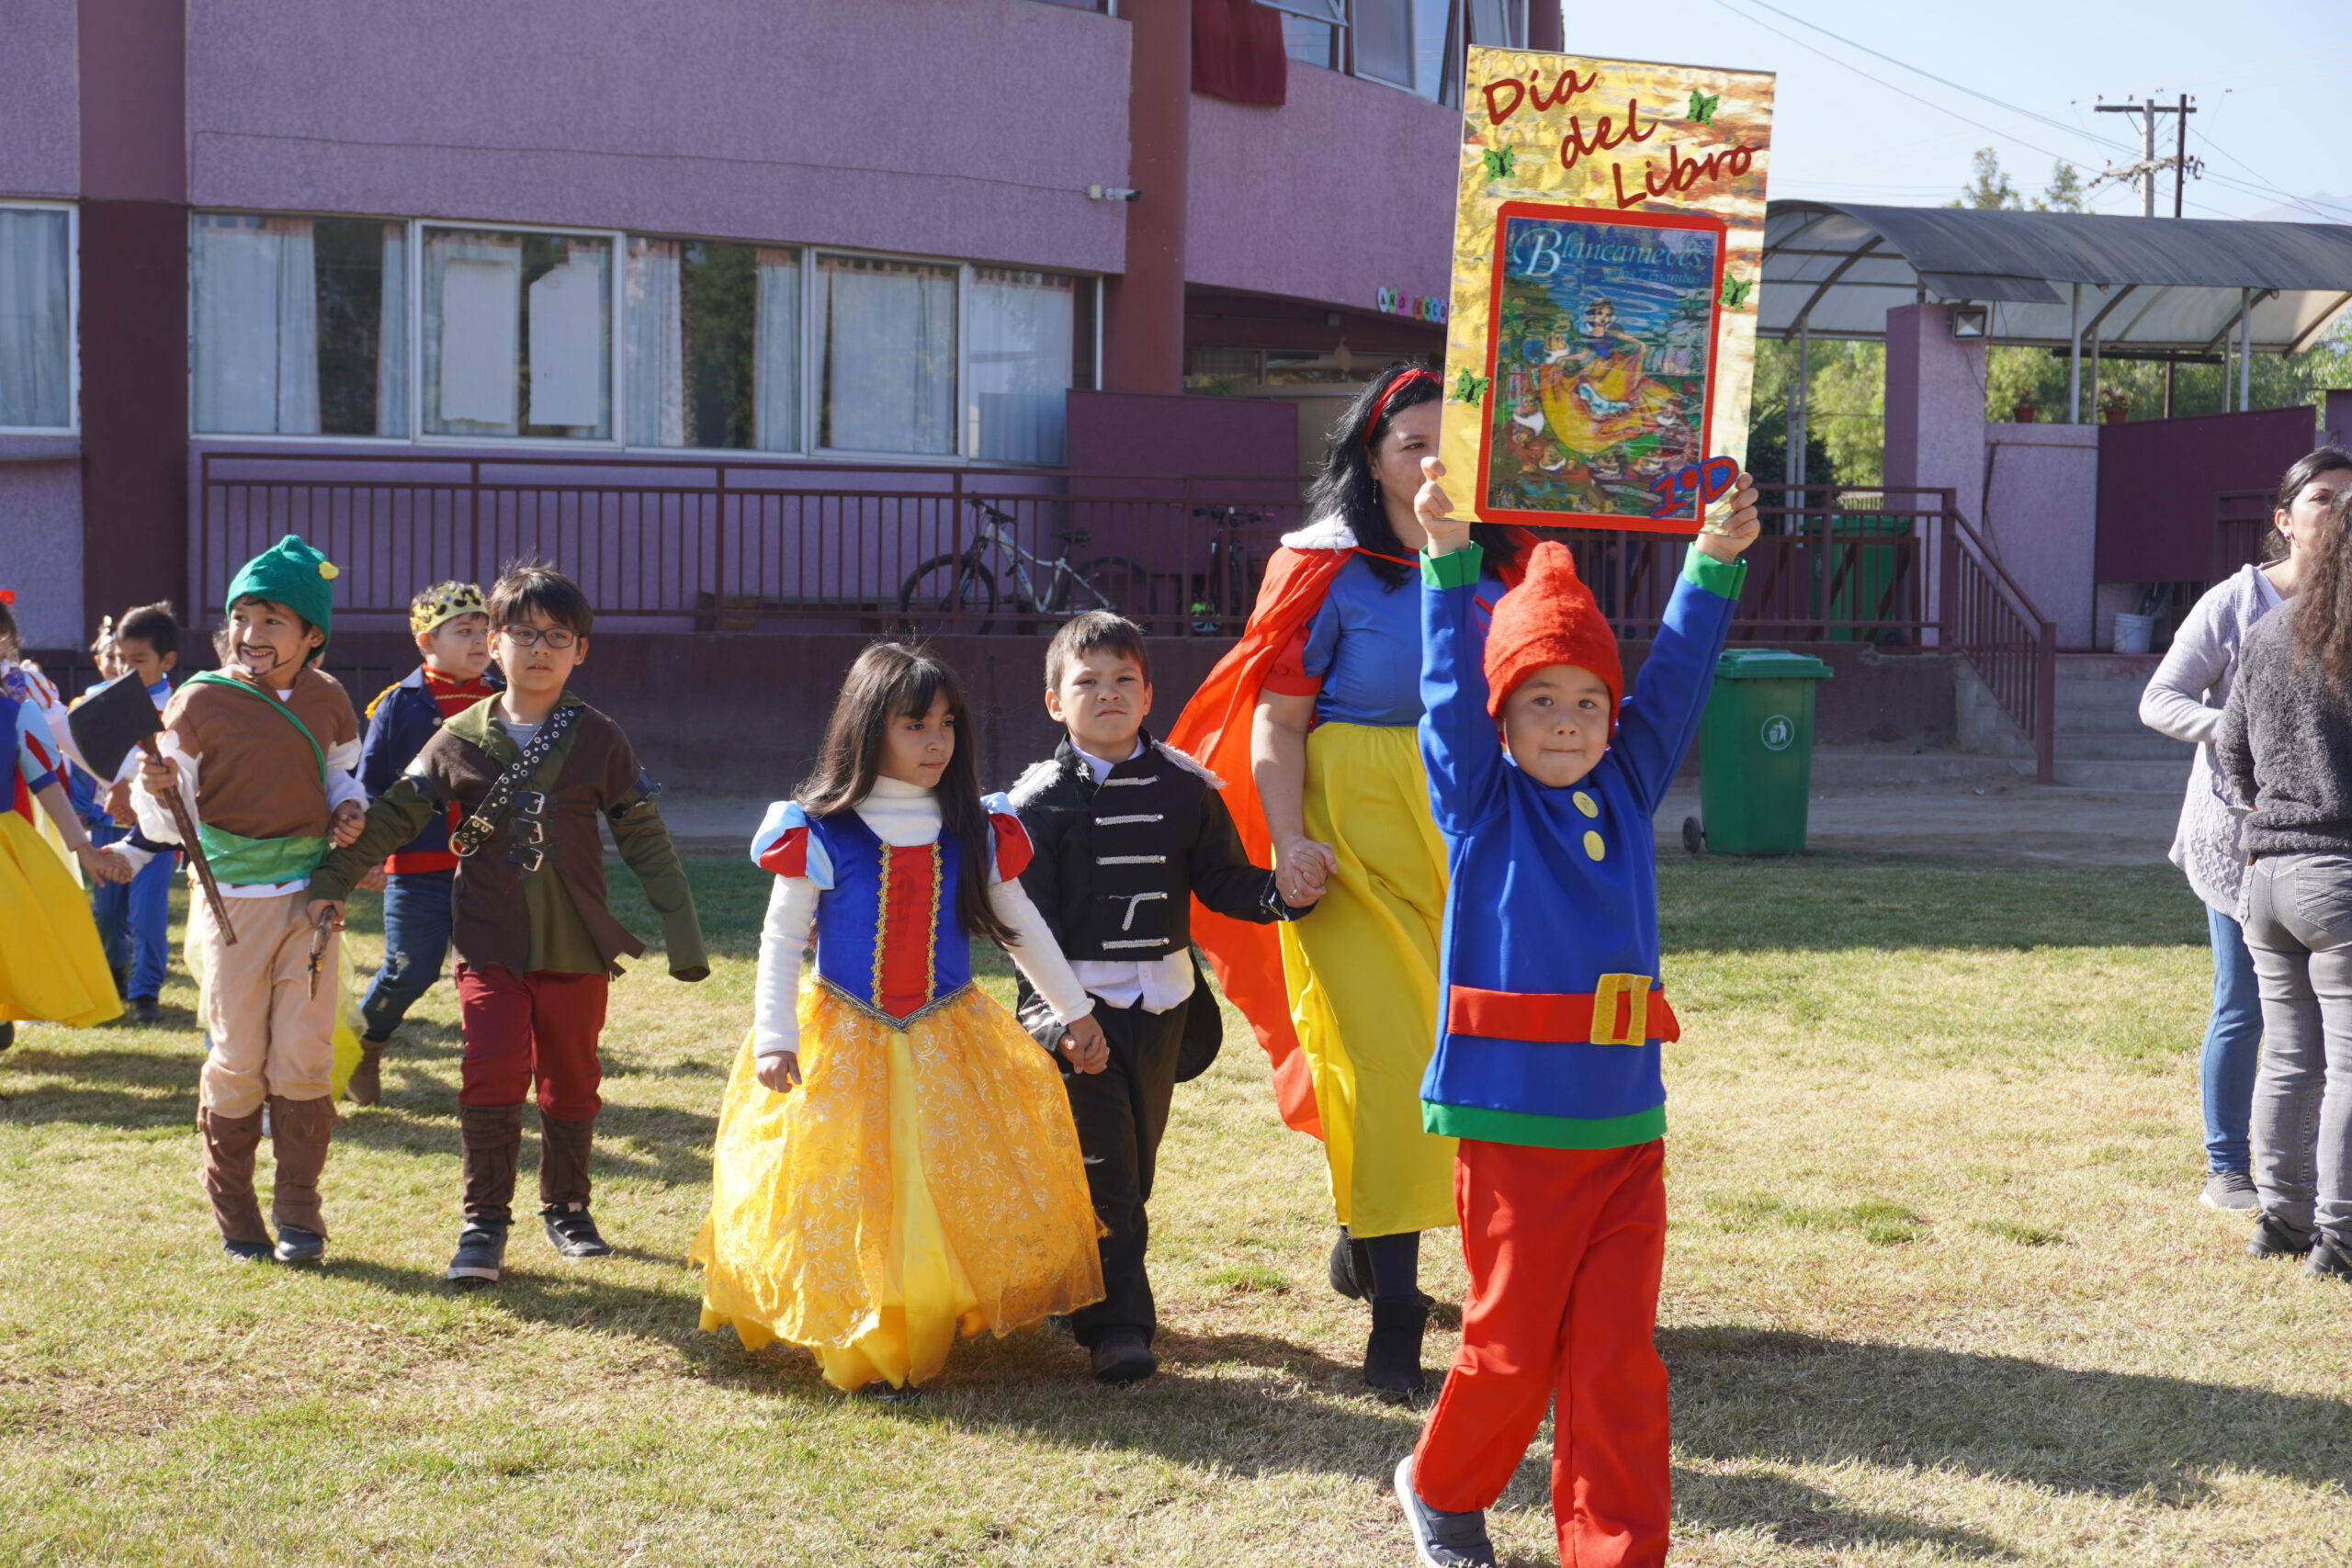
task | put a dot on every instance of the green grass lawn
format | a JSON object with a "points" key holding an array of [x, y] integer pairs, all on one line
{"points": [[1937, 1290]]}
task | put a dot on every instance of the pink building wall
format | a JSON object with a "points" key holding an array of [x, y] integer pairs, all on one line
{"points": [[969, 127], [2036, 515], [41, 109]]}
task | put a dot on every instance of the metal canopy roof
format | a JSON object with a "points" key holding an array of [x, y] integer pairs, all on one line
{"points": [[2147, 284]]}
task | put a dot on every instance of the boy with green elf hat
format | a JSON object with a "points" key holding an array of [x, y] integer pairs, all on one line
{"points": [[262, 750]]}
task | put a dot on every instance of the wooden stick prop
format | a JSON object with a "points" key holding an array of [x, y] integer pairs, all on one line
{"points": [[1608, 246], [107, 727]]}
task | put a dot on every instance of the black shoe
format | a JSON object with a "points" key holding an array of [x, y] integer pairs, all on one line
{"points": [[481, 1252], [2272, 1239], [882, 1392], [296, 1245], [2231, 1190], [145, 1011], [248, 1251], [121, 981], [573, 1233], [1349, 1269], [1444, 1539], [2330, 1259], [7, 1035], [1122, 1358], [1392, 1356]]}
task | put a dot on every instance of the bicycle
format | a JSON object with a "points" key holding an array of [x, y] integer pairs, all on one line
{"points": [[965, 581], [1226, 590]]}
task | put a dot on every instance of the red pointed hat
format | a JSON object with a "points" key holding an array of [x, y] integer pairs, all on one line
{"points": [[1550, 618]]}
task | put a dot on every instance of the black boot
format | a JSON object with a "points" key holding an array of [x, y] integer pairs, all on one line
{"points": [[1392, 1356], [564, 1151]]}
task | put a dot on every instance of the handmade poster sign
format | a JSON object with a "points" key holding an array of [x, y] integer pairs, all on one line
{"points": [[1608, 242]]}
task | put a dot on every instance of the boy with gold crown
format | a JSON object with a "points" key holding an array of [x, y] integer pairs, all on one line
{"points": [[1550, 1031], [261, 750], [451, 624]]}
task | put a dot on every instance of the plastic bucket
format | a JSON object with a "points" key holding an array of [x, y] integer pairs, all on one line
{"points": [[2132, 633]]}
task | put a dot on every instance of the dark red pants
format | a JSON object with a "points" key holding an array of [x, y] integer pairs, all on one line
{"points": [[1564, 1249], [520, 1027]]}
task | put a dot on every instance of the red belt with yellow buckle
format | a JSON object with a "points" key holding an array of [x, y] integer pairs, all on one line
{"points": [[1620, 1010]]}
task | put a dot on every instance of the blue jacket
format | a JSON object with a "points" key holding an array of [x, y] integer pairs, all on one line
{"points": [[1550, 913], [399, 721]]}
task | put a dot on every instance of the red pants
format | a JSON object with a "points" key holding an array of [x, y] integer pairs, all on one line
{"points": [[519, 1027], [1564, 1249]]}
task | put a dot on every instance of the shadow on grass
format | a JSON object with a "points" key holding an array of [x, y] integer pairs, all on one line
{"points": [[1742, 1394], [1803, 1517]]}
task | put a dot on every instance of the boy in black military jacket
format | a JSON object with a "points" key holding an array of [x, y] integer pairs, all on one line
{"points": [[1128, 834]]}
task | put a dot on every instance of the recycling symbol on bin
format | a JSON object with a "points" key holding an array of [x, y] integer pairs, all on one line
{"points": [[1779, 730]]}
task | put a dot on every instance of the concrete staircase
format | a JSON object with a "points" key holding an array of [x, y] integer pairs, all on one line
{"points": [[2101, 744]]}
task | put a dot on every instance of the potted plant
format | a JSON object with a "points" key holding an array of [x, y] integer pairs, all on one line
{"points": [[2023, 414], [2115, 406]]}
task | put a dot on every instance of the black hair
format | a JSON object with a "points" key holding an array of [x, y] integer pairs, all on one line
{"points": [[1345, 488], [8, 625], [1097, 631], [2311, 466], [523, 586], [154, 624], [223, 637], [892, 681]]}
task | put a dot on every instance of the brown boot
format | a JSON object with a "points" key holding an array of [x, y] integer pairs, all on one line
{"points": [[229, 1145], [366, 1085], [564, 1149], [488, 1139], [300, 1131]]}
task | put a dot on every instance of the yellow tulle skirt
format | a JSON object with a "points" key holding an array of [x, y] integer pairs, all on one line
{"points": [[1363, 977], [52, 967], [921, 1183]]}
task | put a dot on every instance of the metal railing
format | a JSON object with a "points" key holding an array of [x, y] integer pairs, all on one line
{"points": [[1988, 620]]}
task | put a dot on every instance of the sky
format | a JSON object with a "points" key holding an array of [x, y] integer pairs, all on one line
{"points": [[2266, 77]]}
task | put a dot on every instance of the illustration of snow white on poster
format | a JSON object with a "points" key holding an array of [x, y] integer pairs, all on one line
{"points": [[1608, 243]]}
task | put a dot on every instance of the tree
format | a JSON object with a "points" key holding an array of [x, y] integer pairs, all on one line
{"points": [[2065, 190], [1991, 189]]}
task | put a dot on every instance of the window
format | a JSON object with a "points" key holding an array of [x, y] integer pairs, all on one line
{"points": [[886, 376], [1414, 44], [517, 334], [713, 344], [36, 318], [1022, 357], [301, 325]]}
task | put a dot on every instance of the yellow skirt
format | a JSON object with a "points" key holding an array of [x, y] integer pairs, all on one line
{"points": [[52, 967], [1363, 977], [920, 1183]]}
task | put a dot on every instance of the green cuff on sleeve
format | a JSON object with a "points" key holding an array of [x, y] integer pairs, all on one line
{"points": [[1458, 570], [1721, 578]]}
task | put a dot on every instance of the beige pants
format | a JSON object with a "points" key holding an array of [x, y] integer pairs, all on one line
{"points": [[269, 1034]]}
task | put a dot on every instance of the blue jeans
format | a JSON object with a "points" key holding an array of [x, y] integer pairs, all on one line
{"points": [[2233, 1047], [416, 943], [135, 917]]}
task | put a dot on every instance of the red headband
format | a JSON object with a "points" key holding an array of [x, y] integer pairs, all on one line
{"points": [[1372, 430]]}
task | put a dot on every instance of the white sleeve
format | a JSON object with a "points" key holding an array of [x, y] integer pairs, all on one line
{"points": [[2174, 702], [784, 938], [342, 765], [1036, 955], [155, 817]]}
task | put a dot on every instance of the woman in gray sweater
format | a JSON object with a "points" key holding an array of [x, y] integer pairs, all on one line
{"points": [[2184, 700], [2285, 750]]}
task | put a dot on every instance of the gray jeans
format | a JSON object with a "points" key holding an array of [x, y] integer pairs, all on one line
{"points": [[2299, 927]]}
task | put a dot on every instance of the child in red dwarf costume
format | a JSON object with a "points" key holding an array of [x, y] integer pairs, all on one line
{"points": [[1548, 1062]]}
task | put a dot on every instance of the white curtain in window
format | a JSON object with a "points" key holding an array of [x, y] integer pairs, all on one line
{"points": [[776, 356], [256, 326], [474, 313], [568, 305], [36, 322], [657, 350], [1023, 325], [890, 355], [391, 336]]}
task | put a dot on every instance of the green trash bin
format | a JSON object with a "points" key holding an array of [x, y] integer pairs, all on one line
{"points": [[1756, 753]]}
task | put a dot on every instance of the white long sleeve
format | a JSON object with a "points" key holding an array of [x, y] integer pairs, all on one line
{"points": [[784, 941], [1036, 955]]}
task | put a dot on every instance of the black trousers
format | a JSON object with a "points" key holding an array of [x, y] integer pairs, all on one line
{"points": [[1121, 1112]]}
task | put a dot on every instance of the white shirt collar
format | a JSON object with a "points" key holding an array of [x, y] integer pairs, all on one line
{"points": [[1101, 769]]}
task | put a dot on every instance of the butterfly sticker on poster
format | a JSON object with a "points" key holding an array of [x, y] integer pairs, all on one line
{"points": [[1608, 242]]}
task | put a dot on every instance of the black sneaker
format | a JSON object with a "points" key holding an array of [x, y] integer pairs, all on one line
{"points": [[575, 1234], [248, 1251], [2330, 1259], [481, 1252], [1122, 1358], [1444, 1539], [145, 1011], [296, 1245], [2231, 1190], [2272, 1239]]}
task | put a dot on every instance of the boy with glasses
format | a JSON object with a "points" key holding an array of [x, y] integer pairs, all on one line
{"points": [[527, 773]]}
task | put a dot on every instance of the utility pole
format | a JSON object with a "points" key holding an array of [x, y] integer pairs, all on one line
{"points": [[2143, 173]]}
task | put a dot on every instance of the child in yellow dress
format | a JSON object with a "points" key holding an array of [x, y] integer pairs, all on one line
{"points": [[896, 1162]]}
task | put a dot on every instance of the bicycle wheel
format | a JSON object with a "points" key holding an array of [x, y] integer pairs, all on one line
{"points": [[1116, 584], [942, 586]]}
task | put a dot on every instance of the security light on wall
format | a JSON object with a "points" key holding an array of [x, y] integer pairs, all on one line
{"points": [[1972, 320]]}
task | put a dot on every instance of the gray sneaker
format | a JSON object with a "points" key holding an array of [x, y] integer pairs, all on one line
{"points": [[1444, 1539], [2231, 1190]]}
